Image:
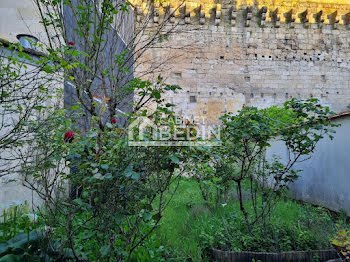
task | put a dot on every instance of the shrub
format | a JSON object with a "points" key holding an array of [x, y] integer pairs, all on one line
{"points": [[117, 192], [292, 226], [16, 220], [341, 242], [241, 162]]}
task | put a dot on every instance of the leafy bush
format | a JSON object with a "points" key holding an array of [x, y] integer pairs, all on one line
{"points": [[19, 239], [117, 192], [341, 242], [16, 220], [150, 250], [241, 162]]}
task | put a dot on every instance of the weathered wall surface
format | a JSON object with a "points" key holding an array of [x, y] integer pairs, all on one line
{"points": [[231, 60], [208, 6], [325, 178], [12, 184], [19, 17], [22, 17]]}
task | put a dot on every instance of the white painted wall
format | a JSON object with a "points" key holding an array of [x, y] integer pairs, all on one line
{"points": [[325, 179], [19, 17], [12, 190]]}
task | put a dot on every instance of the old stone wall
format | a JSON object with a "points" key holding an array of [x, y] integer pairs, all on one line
{"points": [[242, 58]]}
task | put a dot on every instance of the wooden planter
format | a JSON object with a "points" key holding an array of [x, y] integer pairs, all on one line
{"points": [[292, 256], [343, 252]]}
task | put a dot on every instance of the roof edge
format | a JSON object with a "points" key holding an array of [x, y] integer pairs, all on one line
{"points": [[6, 43]]}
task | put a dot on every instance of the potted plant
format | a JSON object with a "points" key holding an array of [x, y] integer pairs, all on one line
{"points": [[341, 242]]}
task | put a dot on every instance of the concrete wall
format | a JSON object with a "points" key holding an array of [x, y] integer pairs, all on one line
{"points": [[19, 17], [325, 179], [12, 190]]}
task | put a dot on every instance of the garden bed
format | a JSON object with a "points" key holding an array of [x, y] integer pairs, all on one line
{"points": [[191, 229], [292, 256]]}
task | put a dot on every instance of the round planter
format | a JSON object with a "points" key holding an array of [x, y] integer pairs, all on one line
{"points": [[292, 256]]}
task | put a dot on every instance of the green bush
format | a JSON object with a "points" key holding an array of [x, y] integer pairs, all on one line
{"points": [[189, 229], [19, 239], [16, 220]]}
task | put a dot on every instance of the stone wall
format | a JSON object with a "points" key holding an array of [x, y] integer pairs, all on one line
{"points": [[223, 63]]}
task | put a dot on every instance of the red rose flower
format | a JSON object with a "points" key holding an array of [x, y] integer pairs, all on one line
{"points": [[114, 121], [71, 43], [68, 137]]}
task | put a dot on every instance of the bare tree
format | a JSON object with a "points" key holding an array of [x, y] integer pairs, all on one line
{"points": [[105, 46]]}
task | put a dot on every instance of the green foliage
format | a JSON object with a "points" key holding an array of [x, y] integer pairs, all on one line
{"points": [[280, 115], [19, 239], [189, 229], [239, 179], [150, 250], [23, 247], [341, 242], [119, 186], [178, 230], [342, 238], [16, 220], [242, 162], [117, 192]]}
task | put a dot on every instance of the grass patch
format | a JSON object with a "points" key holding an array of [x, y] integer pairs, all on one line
{"points": [[189, 227]]}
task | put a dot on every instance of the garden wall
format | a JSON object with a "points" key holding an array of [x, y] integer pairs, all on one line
{"points": [[325, 179], [229, 55]]}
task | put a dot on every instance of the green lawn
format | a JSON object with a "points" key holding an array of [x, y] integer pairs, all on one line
{"points": [[189, 227]]}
